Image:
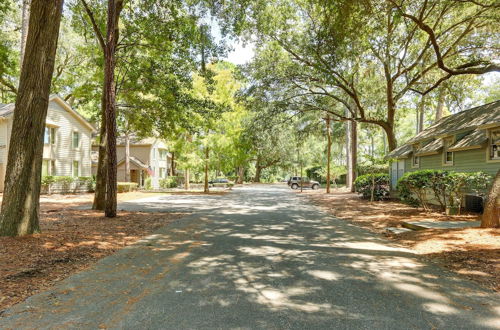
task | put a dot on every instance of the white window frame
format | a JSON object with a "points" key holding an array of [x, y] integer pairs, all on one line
{"points": [[445, 161], [73, 168], [414, 157], [490, 156], [53, 167], [73, 139]]}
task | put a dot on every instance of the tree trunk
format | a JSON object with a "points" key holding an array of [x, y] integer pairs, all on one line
{"points": [[258, 172], [420, 114], [440, 104], [491, 215], [354, 153], [241, 174], [328, 154], [206, 189], [351, 152], [112, 34], [102, 169], [20, 204], [172, 164], [186, 179], [127, 157], [25, 19]]}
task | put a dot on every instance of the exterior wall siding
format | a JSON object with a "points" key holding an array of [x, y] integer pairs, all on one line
{"points": [[62, 152], [473, 160]]}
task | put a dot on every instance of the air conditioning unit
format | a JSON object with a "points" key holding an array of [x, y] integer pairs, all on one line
{"points": [[474, 203]]}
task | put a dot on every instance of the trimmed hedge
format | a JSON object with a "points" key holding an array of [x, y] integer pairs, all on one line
{"points": [[67, 184], [375, 186], [448, 188], [127, 186]]}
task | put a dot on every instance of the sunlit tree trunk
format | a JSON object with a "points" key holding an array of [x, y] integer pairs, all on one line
{"points": [[102, 170], [127, 157], [206, 189], [25, 18], [20, 204], [491, 215], [328, 154], [440, 104]]}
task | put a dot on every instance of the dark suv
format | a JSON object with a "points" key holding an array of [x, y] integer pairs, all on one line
{"points": [[295, 181]]}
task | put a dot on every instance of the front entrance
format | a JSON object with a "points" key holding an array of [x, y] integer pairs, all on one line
{"points": [[134, 176]]}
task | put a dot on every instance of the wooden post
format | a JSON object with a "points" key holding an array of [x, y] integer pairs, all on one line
{"points": [[328, 154]]}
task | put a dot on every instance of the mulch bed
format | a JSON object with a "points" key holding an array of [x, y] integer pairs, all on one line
{"points": [[471, 252], [71, 240]]}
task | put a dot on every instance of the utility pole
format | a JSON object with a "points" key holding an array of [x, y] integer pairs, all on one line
{"points": [[328, 154]]}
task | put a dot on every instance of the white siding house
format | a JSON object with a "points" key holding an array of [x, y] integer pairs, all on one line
{"points": [[67, 140], [149, 158]]}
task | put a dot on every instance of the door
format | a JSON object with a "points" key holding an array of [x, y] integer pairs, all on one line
{"points": [[134, 176]]}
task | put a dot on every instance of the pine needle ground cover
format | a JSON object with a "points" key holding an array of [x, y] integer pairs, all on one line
{"points": [[71, 240], [471, 252]]}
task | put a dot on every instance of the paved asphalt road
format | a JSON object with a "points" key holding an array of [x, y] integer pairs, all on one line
{"points": [[258, 258]]}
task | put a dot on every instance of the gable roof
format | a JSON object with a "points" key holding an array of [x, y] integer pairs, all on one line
{"points": [[8, 109], [473, 122], [464, 120], [134, 160]]}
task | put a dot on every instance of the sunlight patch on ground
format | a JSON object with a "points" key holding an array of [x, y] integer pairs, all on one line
{"points": [[324, 275]]}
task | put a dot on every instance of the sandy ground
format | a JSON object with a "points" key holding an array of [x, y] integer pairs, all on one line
{"points": [[473, 252]]}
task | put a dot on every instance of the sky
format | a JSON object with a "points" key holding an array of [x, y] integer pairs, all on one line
{"points": [[241, 54]]}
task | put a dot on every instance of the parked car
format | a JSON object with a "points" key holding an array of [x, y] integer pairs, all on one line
{"points": [[219, 180], [295, 181]]}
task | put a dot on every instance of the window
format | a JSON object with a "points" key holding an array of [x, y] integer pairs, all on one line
{"points": [[154, 153], [163, 154], [447, 155], [53, 167], [495, 145], [415, 160], [76, 140], [163, 172], [76, 169], [45, 167], [46, 136], [50, 135]]}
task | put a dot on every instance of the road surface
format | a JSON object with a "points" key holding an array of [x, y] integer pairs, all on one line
{"points": [[258, 258]]}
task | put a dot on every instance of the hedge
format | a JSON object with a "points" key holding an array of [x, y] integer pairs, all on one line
{"points": [[446, 187], [127, 186], [374, 186]]}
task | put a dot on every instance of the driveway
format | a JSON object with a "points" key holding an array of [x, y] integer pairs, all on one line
{"points": [[258, 258]]}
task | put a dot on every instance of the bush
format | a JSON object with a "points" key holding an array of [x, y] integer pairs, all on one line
{"points": [[127, 186], [169, 182], [447, 187], [147, 184], [374, 186]]}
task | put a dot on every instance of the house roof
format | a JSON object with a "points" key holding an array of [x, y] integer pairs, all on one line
{"points": [[473, 122], [430, 148], [473, 140], [120, 140], [401, 152], [467, 119], [8, 109], [135, 161]]}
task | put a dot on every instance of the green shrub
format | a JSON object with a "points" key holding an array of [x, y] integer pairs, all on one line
{"points": [[48, 180], [127, 186], [147, 184], [374, 186], [169, 182], [447, 187]]}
